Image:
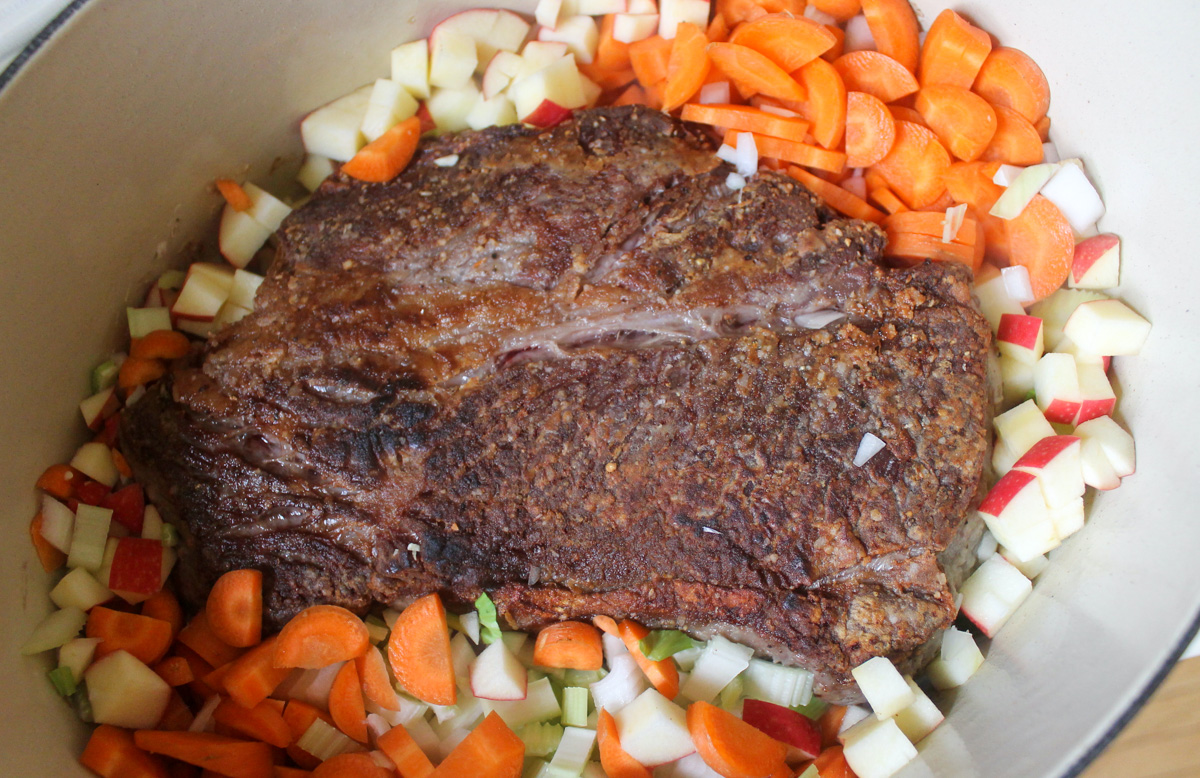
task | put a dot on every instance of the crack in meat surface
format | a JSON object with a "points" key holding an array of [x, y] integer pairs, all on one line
{"points": [[569, 370]]}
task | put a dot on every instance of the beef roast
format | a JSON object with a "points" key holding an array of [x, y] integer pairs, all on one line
{"points": [[577, 371]]}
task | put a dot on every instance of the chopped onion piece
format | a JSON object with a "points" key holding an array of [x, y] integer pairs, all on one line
{"points": [[1050, 152], [857, 186], [858, 35], [1017, 284], [716, 93], [450, 160], [1006, 174], [817, 319], [868, 447], [624, 682], [735, 181], [1075, 196], [819, 16], [204, 716], [777, 111], [953, 222], [727, 153], [747, 154]]}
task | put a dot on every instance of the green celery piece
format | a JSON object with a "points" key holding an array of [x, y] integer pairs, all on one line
{"points": [[452, 622], [663, 643], [489, 627], [731, 693], [377, 629], [575, 706], [64, 681], [540, 739], [815, 707], [583, 678], [104, 375], [170, 535], [83, 705]]}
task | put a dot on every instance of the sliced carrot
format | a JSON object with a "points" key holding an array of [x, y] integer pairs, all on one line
{"points": [[234, 194], [870, 129], [914, 166], [634, 94], [1016, 141], [839, 45], [617, 763], [842, 10], [611, 54], [59, 481], [746, 118], [913, 246], [886, 199], [1041, 240], [229, 756], [791, 42], [419, 651], [687, 66], [718, 29], [146, 638], [410, 760], [608, 79], [732, 747], [1042, 126], [346, 703], [178, 716], [803, 154], [376, 685], [1010, 78], [607, 625], [943, 202], [112, 753], [351, 766], [737, 11], [299, 717], [663, 673], [160, 344], [953, 51], [962, 120], [929, 223], [164, 606], [491, 749], [894, 27], [319, 636], [753, 73], [384, 158], [971, 183], [136, 371], [200, 669], [839, 199], [831, 763], [121, 463], [175, 670], [571, 645], [234, 608], [198, 636], [290, 772], [902, 113], [649, 58], [830, 723], [826, 102], [253, 676], [49, 556], [876, 74], [262, 722]]}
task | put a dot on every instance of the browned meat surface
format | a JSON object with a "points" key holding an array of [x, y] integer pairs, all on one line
{"points": [[567, 371]]}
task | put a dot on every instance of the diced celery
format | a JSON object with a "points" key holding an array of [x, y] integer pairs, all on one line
{"points": [[782, 685], [721, 662], [575, 706], [539, 704], [452, 621], [63, 680], [686, 659], [730, 695], [376, 629], [489, 627], [663, 643], [104, 375], [143, 321], [583, 677], [540, 739], [170, 536], [813, 708], [325, 742], [574, 750]]}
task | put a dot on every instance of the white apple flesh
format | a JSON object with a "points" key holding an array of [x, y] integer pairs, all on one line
{"points": [[672, 13], [959, 659], [1054, 461], [1056, 385], [1097, 263], [390, 104], [547, 12], [124, 692], [1017, 379], [579, 33], [1021, 427], [547, 96], [921, 716], [1057, 308], [1095, 393], [452, 57], [240, 236], [631, 28], [992, 594], [653, 730], [539, 54], [1107, 327], [1073, 193], [450, 107], [1016, 514], [335, 130], [410, 67], [497, 111], [496, 674], [1020, 338], [883, 686], [205, 290], [877, 748], [994, 300], [1116, 444], [500, 73]]}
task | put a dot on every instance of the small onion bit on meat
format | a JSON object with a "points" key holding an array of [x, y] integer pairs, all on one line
{"points": [[868, 447]]}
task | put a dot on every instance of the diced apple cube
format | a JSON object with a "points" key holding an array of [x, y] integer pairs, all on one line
{"points": [[204, 292], [508, 33], [1017, 378], [539, 704], [1022, 427], [58, 523], [798, 731], [958, 660], [994, 300], [76, 654], [125, 692], [95, 460], [1073, 193], [1067, 346], [495, 112], [496, 674], [245, 286], [500, 73], [1097, 263], [79, 589], [653, 730], [240, 236], [98, 407], [450, 107], [548, 96], [1056, 385], [672, 13], [335, 130], [390, 104], [642, 7], [1067, 518], [1057, 308], [539, 54], [314, 171], [600, 7], [1107, 327], [1054, 461], [1096, 394], [1016, 514], [579, 33], [1030, 568], [631, 28], [452, 58], [143, 321], [266, 209], [1098, 471], [992, 594], [1020, 338], [877, 748], [410, 67], [1114, 441], [547, 12], [920, 717], [883, 686]]}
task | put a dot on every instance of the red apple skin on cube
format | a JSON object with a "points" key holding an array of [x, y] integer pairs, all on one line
{"points": [[1020, 338], [1005, 491], [1096, 394], [1097, 263], [1056, 383], [548, 114], [137, 566], [1054, 461], [798, 731]]}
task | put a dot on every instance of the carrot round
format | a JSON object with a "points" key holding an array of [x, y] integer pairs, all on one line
{"points": [[136, 371], [319, 636], [383, 158], [953, 52], [839, 199], [376, 685], [59, 481], [886, 199], [410, 760], [903, 113], [253, 676], [569, 644], [1041, 240], [351, 766], [145, 638], [738, 11], [112, 753], [617, 763], [50, 557], [718, 30], [894, 27], [732, 747], [492, 749], [791, 42], [650, 58], [842, 10], [234, 608], [826, 102], [870, 129], [914, 166], [346, 703], [876, 74], [663, 674], [753, 73], [929, 223], [419, 651], [1016, 141], [962, 120], [175, 670], [1011, 79], [164, 606], [160, 344], [262, 722], [914, 246], [229, 756], [803, 154], [687, 66]]}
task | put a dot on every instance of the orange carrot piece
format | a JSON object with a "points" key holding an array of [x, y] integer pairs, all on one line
{"points": [[319, 636], [410, 760], [902, 113], [1010, 78], [752, 73], [826, 102], [930, 223], [122, 464], [962, 120], [571, 645], [346, 703], [941, 204], [797, 153], [234, 194], [262, 722], [634, 94], [791, 42], [376, 685], [234, 608], [893, 24], [385, 157], [732, 747], [870, 129], [842, 10], [351, 766], [876, 74], [1042, 126], [737, 11], [290, 772], [491, 749], [649, 58], [718, 29], [839, 45], [253, 676], [839, 199], [953, 51], [746, 118], [160, 344], [914, 246], [831, 763], [663, 673], [136, 371], [611, 54], [419, 652], [829, 723], [608, 79], [886, 199], [198, 636], [914, 166], [50, 557], [971, 183], [1041, 240], [1016, 141], [299, 717], [617, 763], [607, 625], [687, 66], [164, 606], [112, 753], [178, 716], [59, 481], [229, 756], [146, 638], [175, 670], [200, 669]]}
